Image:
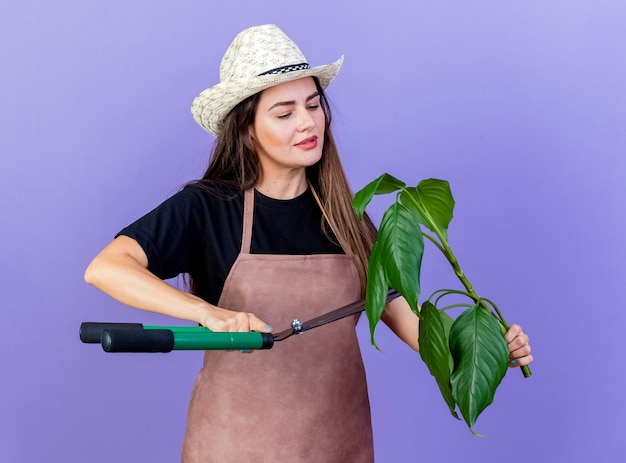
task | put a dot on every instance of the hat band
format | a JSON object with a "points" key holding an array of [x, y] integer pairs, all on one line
{"points": [[284, 69]]}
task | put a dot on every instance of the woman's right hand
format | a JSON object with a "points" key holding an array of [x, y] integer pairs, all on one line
{"points": [[218, 319]]}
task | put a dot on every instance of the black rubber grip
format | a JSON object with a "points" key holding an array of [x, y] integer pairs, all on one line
{"points": [[91, 332], [268, 340], [125, 340]]}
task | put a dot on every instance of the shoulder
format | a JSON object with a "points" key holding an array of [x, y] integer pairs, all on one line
{"points": [[206, 195], [211, 191]]}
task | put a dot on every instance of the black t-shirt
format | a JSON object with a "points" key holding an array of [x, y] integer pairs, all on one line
{"points": [[199, 232]]}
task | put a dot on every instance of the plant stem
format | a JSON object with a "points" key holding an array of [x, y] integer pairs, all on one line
{"points": [[434, 241], [445, 249], [495, 307], [480, 301], [444, 292], [454, 306]]}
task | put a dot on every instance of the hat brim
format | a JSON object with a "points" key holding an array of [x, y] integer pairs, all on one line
{"points": [[211, 106]]}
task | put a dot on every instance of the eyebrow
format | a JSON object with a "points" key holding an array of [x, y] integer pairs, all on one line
{"points": [[292, 102]]}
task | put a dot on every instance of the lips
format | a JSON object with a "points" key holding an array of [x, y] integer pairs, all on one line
{"points": [[308, 143]]}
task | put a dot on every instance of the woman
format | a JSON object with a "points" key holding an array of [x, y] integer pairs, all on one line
{"points": [[267, 234]]}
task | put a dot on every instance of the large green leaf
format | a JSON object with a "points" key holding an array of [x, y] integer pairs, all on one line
{"points": [[401, 246], [382, 185], [480, 356], [434, 328], [432, 203], [376, 295]]}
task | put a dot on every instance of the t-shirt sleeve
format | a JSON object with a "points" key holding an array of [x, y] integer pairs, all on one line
{"points": [[169, 234]]}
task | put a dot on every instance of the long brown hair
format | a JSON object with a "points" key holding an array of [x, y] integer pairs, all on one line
{"points": [[235, 167]]}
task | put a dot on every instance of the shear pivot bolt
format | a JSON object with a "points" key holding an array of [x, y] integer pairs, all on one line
{"points": [[296, 325]]}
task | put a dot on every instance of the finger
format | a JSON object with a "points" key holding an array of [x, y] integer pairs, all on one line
{"points": [[245, 322], [226, 320], [513, 331], [519, 353], [258, 325], [518, 342], [520, 362]]}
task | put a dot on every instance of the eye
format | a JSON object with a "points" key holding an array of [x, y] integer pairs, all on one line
{"points": [[314, 104], [284, 116]]}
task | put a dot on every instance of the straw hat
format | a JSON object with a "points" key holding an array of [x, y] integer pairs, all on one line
{"points": [[258, 58]]}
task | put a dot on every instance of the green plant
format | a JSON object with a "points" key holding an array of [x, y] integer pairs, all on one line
{"points": [[468, 356]]}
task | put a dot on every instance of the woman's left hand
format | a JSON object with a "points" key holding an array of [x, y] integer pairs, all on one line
{"points": [[519, 348]]}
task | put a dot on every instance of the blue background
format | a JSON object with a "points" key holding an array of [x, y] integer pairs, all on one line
{"points": [[520, 105]]}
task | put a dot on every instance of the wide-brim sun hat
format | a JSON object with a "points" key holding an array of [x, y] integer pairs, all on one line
{"points": [[258, 58]]}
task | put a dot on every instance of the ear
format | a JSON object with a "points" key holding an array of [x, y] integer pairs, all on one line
{"points": [[251, 133]]}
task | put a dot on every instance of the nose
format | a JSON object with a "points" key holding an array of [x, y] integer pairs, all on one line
{"points": [[305, 120]]}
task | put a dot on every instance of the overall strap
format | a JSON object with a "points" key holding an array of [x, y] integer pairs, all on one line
{"points": [[248, 211]]}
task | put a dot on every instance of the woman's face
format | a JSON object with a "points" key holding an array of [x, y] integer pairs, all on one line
{"points": [[288, 128]]}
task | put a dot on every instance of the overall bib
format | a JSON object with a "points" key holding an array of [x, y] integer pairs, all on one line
{"points": [[304, 400]]}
